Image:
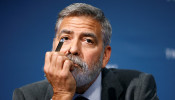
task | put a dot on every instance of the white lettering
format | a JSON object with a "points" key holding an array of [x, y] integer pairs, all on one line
{"points": [[170, 53]]}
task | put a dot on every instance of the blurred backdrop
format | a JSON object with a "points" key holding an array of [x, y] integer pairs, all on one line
{"points": [[143, 39]]}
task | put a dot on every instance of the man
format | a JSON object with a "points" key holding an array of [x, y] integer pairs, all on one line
{"points": [[78, 69]]}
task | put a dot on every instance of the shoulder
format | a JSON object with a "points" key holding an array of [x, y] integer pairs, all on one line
{"points": [[127, 77], [136, 84], [125, 73], [36, 86], [34, 90], [121, 74]]}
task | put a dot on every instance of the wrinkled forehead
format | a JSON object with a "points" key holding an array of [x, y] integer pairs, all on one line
{"points": [[81, 23]]}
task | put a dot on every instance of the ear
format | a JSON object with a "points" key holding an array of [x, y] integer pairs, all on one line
{"points": [[106, 56]]}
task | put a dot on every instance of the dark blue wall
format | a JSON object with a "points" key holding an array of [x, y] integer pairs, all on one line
{"points": [[143, 39]]}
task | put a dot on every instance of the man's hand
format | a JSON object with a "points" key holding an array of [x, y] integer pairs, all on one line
{"points": [[57, 68]]}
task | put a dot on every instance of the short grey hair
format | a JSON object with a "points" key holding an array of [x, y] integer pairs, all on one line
{"points": [[82, 9]]}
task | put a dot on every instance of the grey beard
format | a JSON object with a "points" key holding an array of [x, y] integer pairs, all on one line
{"points": [[83, 76]]}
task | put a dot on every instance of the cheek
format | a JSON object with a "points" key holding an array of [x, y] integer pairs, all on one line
{"points": [[92, 56]]}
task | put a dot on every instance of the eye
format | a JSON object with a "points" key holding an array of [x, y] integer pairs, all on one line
{"points": [[89, 41], [65, 38]]}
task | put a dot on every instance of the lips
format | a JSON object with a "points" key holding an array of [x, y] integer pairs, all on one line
{"points": [[77, 65], [77, 62]]}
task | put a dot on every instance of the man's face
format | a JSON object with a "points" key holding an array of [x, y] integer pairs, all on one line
{"points": [[83, 39]]}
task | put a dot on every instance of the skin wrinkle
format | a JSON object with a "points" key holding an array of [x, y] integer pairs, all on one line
{"points": [[88, 25], [83, 24]]}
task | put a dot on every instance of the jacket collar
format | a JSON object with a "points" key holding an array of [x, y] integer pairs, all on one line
{"points": [[111, 87]]}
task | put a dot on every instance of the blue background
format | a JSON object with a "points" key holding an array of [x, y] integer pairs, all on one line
{"points": [[143, 38]]}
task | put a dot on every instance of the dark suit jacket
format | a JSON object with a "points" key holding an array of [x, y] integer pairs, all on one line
{"points": [[116, 85]]}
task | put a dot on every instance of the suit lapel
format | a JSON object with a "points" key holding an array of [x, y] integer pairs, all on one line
{"points": [[111, 87]]}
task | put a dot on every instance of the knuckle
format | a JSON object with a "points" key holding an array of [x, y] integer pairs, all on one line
{"points": [[45, 69], [60, 58], [63, 75], [54, 54], [67, 63], [47, 54], [58, 61], [50, 72]]}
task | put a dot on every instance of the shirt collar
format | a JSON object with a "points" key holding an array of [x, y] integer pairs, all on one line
{"points": [[94, 91]]}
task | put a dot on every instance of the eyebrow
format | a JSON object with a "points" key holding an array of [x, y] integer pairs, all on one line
{"points": [[64, 31], [86, 34], [92, 35], [89, 35]]}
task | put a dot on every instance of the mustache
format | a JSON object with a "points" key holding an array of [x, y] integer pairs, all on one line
{"points": [[77, 60]]}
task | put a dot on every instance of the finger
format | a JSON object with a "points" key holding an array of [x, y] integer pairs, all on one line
{"points": [[53, 59], [60, 53], [67, 66], [60, 62], [52, 67], [47, 61], [47, 58]]}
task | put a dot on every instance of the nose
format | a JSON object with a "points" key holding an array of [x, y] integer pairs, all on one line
{"points": [[74, 48]]}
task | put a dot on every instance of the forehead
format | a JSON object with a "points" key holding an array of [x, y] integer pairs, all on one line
{"points": [[80, 24]]}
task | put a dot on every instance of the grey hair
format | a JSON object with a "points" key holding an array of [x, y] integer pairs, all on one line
{"points": [[82, 9]]}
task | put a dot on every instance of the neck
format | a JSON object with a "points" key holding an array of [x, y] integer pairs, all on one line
{"points": [[82, 89]]}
